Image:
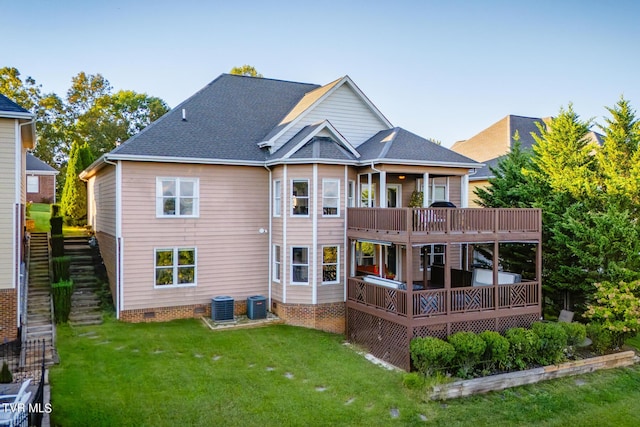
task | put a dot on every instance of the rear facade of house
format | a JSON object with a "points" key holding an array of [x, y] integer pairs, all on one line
{"points": [[249, 187]]}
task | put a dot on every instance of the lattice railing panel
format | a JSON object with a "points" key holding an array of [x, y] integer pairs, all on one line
{"points": [[438, 331], [522, 321], [384, 339]]}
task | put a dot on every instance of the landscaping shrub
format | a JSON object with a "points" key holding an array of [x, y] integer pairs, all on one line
{"points": [[55, 210], [56, 225], [5, 374], [496, 353], [469, 349], [61, 266], [61, 293], [601, 337], [576, 332], [523, 347], [430, 354], [413, 380], [57, 245], [553, 341]]}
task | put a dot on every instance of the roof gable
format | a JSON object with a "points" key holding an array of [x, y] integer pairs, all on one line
{"points": [[294, 120], [34, 164], [7, 106]]}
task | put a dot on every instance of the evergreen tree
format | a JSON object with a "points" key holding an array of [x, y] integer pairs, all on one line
{"points": [[74, 194]]}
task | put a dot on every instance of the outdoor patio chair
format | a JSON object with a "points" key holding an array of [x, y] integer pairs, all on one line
{"points": [[16, 413]]}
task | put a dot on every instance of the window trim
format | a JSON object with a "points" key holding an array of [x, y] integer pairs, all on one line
{"points": [[308, 197], [370, 187], [277, 262], [160, 197], [336, 197], [337, 264], [30, 180], [293, 264], [174, 266], [277, 198], [351, 194]]}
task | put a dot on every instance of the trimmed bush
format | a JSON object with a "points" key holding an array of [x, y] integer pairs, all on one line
{"points": [[57, 245], [55, 210], [576, 332], [602, 338], [5, 374], [430, 354], [469, 351], [61, 266], [56, 225], [496, 353], [553, 341], [523, 347], [61, 293]]}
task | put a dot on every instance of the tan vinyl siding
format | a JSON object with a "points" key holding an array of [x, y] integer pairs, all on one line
{"points": [[473, 199], [488, 144], [347, 112], [455, 190], [8, 196], [232, 257]]}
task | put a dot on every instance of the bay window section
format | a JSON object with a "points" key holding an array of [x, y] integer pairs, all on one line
{"points": [[300, 197], [177, 197], [331, 197], [299, 265], [277, 263], [175, 267], [277, 197], [330, 264]]}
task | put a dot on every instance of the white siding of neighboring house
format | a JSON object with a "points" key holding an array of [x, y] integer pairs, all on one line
{"points": [[232, 256], [348, 114], [8, 196]]}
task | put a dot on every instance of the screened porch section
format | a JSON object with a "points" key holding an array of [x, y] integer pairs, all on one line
{"points": [[468, 269]]}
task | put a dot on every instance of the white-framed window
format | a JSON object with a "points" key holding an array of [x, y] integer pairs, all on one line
{"points": [[277, 197], [365, 189], [438, 190], [365, 253], [175, 267], [33, 184], [351, 192], [277, 262], [177, 197], [330, 264], [331, 197], [299, 265], [300, 197], [432, 255]]}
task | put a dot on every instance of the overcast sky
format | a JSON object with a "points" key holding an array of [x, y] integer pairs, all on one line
{"points": [[442, 69]]}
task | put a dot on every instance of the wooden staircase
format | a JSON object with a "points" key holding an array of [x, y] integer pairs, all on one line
{"points": [[85, 302]]}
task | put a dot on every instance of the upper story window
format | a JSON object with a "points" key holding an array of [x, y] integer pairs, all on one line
{"points": [[331, 197], [367, 195], [300, 197], [277, 197], [175, 267], [177, 197]]}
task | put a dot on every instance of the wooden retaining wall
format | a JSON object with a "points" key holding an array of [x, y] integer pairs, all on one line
{"points": [[531, 376]]}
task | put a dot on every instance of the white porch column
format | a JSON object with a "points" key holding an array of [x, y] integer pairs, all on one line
{"points": [[425, 190], [465, 191], [383, 189], [370, 190]]}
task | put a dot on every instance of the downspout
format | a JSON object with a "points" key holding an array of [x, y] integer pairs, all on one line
{"points": [[119, 242], [270, 212]]}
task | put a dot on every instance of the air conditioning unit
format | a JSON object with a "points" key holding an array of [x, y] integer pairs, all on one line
{"points": [[257, 307], [222, 309]]}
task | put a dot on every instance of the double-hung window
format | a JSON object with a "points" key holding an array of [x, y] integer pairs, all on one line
{"points": [[330, 264], [331, 197], [367, 195], [277, 197], [300, 197], [277, 263], [175, 267], [299, 265], [33, 184], [351, 203], [177, 197]]}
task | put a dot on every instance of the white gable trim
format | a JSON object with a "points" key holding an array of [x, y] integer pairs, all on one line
{"points": [[345, 80], [319, 128]]}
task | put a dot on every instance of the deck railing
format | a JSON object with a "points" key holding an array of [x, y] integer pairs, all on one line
{"points": [[444, 220], [439, 302]]}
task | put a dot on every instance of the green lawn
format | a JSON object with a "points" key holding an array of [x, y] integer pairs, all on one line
{"points": [[182, 373], [40, 212]]}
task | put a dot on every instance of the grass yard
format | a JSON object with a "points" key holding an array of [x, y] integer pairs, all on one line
{"points": [[40, 212], [182, 373]]}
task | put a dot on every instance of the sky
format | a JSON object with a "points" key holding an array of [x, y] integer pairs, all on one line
{"points": [[444, 70]]}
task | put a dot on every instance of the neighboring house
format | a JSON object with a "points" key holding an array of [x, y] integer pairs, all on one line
{"points": [[299, 193], [41, 181], [496, 141], [17, 135]]}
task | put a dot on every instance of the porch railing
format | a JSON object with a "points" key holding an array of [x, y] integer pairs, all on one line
{"points": [[444, 220], [439, 302]]}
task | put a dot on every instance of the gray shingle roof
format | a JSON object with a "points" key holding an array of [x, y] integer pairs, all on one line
{"points": [[400, 144], [225, 120], [484, 172], [11, 107], [36, 165]]}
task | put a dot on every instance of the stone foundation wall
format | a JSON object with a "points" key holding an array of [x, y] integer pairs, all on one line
{"points": [[8, 315], [325, 317]]}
